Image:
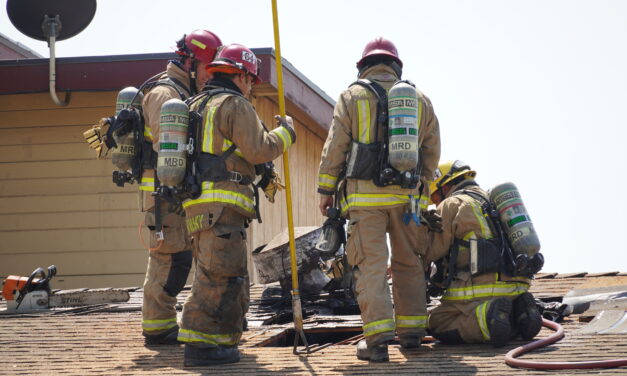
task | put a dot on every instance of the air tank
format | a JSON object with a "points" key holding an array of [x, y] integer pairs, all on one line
{"points": [[403, 114], [514, 219], [173, 125], [122, 156]]}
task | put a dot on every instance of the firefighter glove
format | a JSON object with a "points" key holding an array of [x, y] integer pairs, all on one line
{"points": [[432, 219], [94, 138], [270, 182], [287, 123]]}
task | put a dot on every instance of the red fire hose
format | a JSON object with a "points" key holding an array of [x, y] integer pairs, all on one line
{"points": [[510, 357]]}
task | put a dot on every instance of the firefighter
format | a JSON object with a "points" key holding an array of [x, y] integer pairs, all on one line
{"points": [[374, 210], [233, 140], [170, 259], [476, 306]]}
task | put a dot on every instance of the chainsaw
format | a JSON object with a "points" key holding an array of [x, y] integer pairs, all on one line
{"points": [[33, 293]]}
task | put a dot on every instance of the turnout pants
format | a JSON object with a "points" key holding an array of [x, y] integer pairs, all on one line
{"points": [[214, 312], [168, 268], [367, 253], [462, 315]]}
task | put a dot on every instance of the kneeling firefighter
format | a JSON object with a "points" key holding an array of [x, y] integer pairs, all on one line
{"points": [[381, 151], [230, 140], [133, 136], [482, 283]]}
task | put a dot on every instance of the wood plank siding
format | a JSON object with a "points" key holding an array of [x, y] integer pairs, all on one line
{"points": [[59, 206], [57, 202]]}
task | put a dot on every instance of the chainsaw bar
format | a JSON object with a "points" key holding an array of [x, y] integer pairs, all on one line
{"points": [[78, 298]]}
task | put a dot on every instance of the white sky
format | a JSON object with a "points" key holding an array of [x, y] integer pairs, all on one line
{"points": [[530, 91]]}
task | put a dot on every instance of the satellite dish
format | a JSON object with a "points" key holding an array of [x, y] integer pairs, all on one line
{"points": [[28, 16], [51, 20]]}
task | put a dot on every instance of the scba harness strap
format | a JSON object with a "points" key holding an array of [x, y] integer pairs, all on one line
{"points": [[485, 255], [369, 161], [208, 166]]}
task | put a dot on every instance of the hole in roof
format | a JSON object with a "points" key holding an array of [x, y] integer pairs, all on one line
{"points": [[315, 337]]}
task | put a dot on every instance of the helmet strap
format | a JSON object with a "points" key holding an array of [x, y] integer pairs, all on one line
{"points": [[192, 76]]}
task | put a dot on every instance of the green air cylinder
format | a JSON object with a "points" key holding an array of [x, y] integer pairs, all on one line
{"points": [[403, 114], [173, 126], [515, 219], [122, 156]]}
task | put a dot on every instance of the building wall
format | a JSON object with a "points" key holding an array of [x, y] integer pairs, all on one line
{"points": [[59, 206]]}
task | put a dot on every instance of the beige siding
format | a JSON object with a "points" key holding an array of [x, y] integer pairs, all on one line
{"points": [[59, 206], [57, 203]]}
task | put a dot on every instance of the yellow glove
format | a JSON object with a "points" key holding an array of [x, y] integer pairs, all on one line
{"points": [[274, 185], [94, 137]]}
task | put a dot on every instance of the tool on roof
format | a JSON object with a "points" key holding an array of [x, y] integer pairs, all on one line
{"points": [[296, 303], [33, 293]]}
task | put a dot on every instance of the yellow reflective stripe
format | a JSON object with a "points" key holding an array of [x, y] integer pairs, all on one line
{"points": [[148, 133], [198, 43], [483, 223], [363, 113], [152, 325], [207, 137], [147, 184], [380, 326], [186, 335], [227, 144], [411, 321], [372, 199], [327, 181], [481, 312], [424, 202], [482, 291], [210, 195], [284, 135]]}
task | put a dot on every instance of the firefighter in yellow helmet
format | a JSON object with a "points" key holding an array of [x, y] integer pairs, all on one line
{"points": [[378, 199], [170, 259], [233, 140], [480, 302]]}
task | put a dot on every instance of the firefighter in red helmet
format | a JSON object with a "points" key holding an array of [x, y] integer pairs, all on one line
{"points": [[379, 200], [233, 140], [170, 258]]}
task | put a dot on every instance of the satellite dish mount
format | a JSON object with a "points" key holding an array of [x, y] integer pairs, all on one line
{"points": [[51, 28]]}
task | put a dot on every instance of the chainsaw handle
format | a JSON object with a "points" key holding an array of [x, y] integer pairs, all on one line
{"points": [[52, 271], [29, 282]]}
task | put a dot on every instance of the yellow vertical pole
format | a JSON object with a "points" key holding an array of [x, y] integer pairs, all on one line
{"points": [[296, 303]]}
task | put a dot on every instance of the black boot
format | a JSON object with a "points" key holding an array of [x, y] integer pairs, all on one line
{"points": [[498, 319], [375, 353], [197, 356], [527, 318], [409, 342], [166, 338]]}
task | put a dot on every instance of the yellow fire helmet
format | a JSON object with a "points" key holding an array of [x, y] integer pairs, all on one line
{"points": [[448, 171]]}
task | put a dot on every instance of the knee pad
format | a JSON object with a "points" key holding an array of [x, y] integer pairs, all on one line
{"points": [[179, 270]]}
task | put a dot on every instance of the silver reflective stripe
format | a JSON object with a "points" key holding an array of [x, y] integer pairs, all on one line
{"points": [[284, 135], [147, 184], [411, 321], [380, 326], [186, 335], [482, 291], [327, 181], [481, 313], [152, 325], [223, 196], [363, 112], [373, 199]]}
